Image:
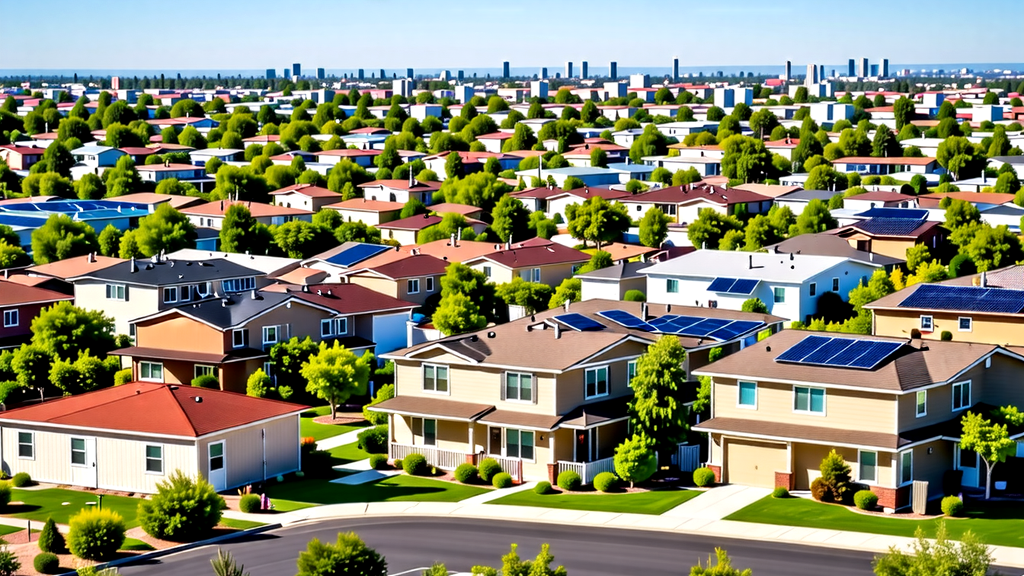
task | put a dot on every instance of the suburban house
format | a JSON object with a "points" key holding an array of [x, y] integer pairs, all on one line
{"points": [[494, 141], [348, 255], [20, 157], [184, 172], [551, 200], [825, 244], [111, 439], [535, 260], [684, 203], [55, 275], [305, 197], [400, 191], [369, 212], [879, 199], [546, 393], [891, 236], [881, 166], [890, 406], [363, 158], [613, 282], [788, 284], [19, 305], [211, 214], [407, 230], [474, 212], [411, 277], [269, 266]]}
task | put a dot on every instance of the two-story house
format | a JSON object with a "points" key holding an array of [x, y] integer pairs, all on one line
{"points": [[408, 276], [211, 214], [684, 203], [891, 407], [891, 237], [305, 197], [19, 304], [535, 260], [545, 393]]}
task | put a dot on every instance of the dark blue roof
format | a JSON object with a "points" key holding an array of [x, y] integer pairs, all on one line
{"points": [[912, 213], [889, 226], [356, 253], [965, 298]]}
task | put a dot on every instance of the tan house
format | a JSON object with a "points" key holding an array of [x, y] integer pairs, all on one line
{"points": [[891, 236], [891, 407], [535, 260], [369, 212], [542, 394], [413, 278], [129, 438], [305, 197]]}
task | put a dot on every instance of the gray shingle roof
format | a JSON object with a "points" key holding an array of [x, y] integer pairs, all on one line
{"points": [[171, 272]]}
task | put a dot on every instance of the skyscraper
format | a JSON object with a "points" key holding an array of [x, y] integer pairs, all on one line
{"points": [[885, 67], [568, 69], [584, 69], [285, 73], [812, 74], [874, 70], [409, 73], [271, 73], [543, 73], [382, 74], [461, 75], [789, 71], [821, 73], [320, 74], [851, 69], [296, 69], [675, 69], [613, 70], [864, 71], [361, 74], [504, 69]]}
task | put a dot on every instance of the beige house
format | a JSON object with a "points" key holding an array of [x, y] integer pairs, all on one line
{"points": [[369, 212], [891, 407], [305, 197], [535, 260], [413, 278], [109, 439]]}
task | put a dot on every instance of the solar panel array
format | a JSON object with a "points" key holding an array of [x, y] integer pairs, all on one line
{"points": [[889, 226], [965, 298], [839, 352], [626, 319], [882, 212], [356, 253], [694, 326], [733, 285], [579, 322]]}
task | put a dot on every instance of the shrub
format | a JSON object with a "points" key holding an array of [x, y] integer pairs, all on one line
{"points": [[21, 479], [5, 494], [542, 487], [634, 296], [95, 534], [46, 563], [122, 377], [50, 539], [835, 475], [386, 392], [349, 555], [399, 464], [703, 477], [373, 440], [606, 482], [206, 381], [182, 509], [780, 492], [488, 468], [569, 480], [865, 499], [820, 492], [250, 503], [952, 506], [946, 336], [415, 465], [466, 473], [634, 460], [378, 461], [501, 480], [9, 563]]}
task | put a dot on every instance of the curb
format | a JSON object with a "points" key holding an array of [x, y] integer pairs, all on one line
{"points": [[181, 548]]}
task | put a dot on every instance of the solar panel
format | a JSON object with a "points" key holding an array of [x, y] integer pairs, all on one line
{"points": [[839, 352], [882, 212], [705, 326], [579, 322], [626, 319], [965, 298], [356, 254], [744, 286], [802, 349], [827, 350], [889, 226], [852, 352], [680, 323], [662, 320], [721, 284], [734, 329]]}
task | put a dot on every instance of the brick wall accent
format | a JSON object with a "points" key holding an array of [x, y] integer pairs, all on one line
{"points": [[886, 497], [471, 459], [717, 469], [553, 473], [784, 480]]}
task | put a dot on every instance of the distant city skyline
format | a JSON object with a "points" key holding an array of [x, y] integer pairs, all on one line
{"points": [[253, 35]]}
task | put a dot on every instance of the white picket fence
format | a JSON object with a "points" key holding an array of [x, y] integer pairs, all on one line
{"points": [[588, 470], [443, 459], [513, 466]]}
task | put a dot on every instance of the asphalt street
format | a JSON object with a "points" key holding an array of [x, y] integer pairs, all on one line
{"points": [[415, 542]]}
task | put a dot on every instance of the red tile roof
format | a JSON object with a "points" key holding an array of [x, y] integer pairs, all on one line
{"points": [[344, 298], [23, 150], [307, 190], [16, 294], [72, 267], [530, 256], [696, 192], [257, 209], [418, 222], [410, 266], [364, 205]]}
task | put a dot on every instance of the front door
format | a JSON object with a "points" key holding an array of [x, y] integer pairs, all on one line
{"points": [[969, 465], [582, 452], [494, 445], [83, 461], [218, 472]]}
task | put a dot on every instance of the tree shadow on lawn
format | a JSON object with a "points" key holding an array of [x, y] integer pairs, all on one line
{"points": [[15, 508], [323, 492]]}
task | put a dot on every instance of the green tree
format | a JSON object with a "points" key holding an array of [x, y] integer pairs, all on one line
{"points": [[634, 460], [187, 108], [165, 230], [722, 567], [598, 158], [568, 291], [903, 109], [754, 305], [522, 139], [90, 187], [453, 165], [349, 555], [939, 557], [763, 121], [654, 227], [961, 213], [814, 218], [598, 260], [599, 221], [657, 410], [287, 358], [240, 232], [533, 296], [710, 227], [61, 237], [759, 233], [58, 159], [960, 157], [335, 373], [12, 255], [299, 239], [85, 374], [258, 384], [650, 143], [510, 219], [64, 330]]}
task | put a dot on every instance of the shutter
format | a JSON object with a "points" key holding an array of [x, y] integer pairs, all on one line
{"points": [[125, 292], [503, 385], [533, 387]]}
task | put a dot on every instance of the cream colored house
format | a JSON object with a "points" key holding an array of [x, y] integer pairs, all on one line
{"points": [[535, 260], [112, 439]]}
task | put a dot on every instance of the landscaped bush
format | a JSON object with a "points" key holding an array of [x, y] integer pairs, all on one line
{"points": [[21, 479], [634, 296], [569, 480], [378, 461], [415, 465], [46, 563], [9, 563], [373, 440], [399, 464], [466, 473], [50, 539], [95, 534], [5, 494], [703, 477], [820, 492], [206, 381], [606, 482], [385, 392], [542, 487], [501, 480], [835, 475], [488, 468], [952, 506], [946, 336], [250, 503], [122, 377], [780, 492], [865, 499], [182, 509]]}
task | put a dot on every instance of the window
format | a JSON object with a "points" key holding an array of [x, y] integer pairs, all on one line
{"points": [[536, 274], [519, 387], [596, 382], [204, 370], [961, 395], [78, 452], [429, 432], [835, 284], [809, 400], [217, 456], [239, 284], [414, 286], [780, 295], [186, 294], [747, 395], [26, 445], [487, 271], [10, 318], [927, 324], [151, 371], [672, 286], [170, 294], [922, 403], [154, 459], [430, 283], [630, 372], [435, 378], [268, 368], [239, 338], [341, 326], [907, 467], [326, 328], [203, 290], [269, 335], [812, 289], [868, 468], [116, 292], [964, 324], [519, 444]]}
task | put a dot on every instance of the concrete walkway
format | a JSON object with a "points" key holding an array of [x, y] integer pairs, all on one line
{"points": [[365, 477], [339, 440], [495, 494], [718, 503]]}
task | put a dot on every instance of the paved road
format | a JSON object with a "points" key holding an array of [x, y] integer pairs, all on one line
{"points": [[413, 542]]}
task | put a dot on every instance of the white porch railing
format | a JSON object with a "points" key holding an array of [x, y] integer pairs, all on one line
{"points": [[513, 466], [588, 470], [444, 459]]}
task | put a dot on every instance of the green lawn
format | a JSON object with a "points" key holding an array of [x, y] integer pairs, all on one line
{"points": [[321, 431], [347, 453], [653, 502], [137, 545], [239, 524], [996, 523], [293, 494], [49, 503]]}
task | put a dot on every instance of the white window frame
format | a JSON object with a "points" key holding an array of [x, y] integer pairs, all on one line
{"points": [[185, 293], [244, 338], [117, 292], [329, 324], [597, 392], [812, 289], [739, 395], [276, 329], [835, 284], [412, 286], [902, 481], [31, 445], [433, 368], [536, 275], [921, 401], [170, 294], [239, 284], [518, 434], [959, 386], [927, 323], [147, 458], [519, 387], [776, 298], [203, 370], [142, 368], [630, 372], [11, 318], [84, 451], [824, 400], [671, 286], [487, 271], [960, 325], [430, 283], [860, 467], [341, 326]]}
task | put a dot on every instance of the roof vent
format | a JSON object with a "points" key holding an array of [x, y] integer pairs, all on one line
{"points": [[474, 338], [491, 334], [133, 267], [199, 399], [767, 348], [172, 387]]}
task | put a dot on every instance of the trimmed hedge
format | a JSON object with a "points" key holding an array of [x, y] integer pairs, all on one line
{"points": [[570, 481], [415, 465], [542, 487], [606, 482], [952, 506], [780, 492], [703, 477], [5, 493], [820, 491], [502, 480], [378, 461], [96, 534], [398, 464], [50, 539], [46, 563], [373, 440], [466, 473], [865, 499], [488, 468], [249, 503], [21, 479]]}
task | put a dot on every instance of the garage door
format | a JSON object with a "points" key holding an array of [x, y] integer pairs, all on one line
{"points": [[753, 463]]}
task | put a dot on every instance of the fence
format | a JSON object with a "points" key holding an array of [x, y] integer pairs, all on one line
{"points": [[687, 457], [444, 459], [588, 470]]}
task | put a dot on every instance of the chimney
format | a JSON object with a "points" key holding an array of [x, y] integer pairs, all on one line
{"points": [[750, 262], [566, 305], [92, 257], [558, 331], [643, 311], [984, 280], [133, 267], [253, 295]]}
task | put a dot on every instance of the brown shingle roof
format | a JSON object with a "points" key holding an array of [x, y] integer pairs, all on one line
{"points": [[529, 256], [812, 434], [72, 267], [16, 294], [515, 419], [435, 407]]}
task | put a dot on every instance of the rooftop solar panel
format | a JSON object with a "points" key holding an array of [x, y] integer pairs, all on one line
{"points": [[743, 286], [721, 284], [705, 327], [889, 226], [683, 322], [839, 352], [965, 298], [882, 212], [356, 254], [579, 322], [626, 319], [662, 320], [802, 349], [734, 329], [827, 350]]}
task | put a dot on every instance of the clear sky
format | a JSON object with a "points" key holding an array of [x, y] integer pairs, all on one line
{"points": [[344, 34]]}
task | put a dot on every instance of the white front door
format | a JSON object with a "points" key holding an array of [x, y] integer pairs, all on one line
{"points": [[83, 461], [218, 472], [968, 462]]}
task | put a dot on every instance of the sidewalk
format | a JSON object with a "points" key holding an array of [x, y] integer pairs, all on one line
{"points": [[719, 502], [339, 440]]}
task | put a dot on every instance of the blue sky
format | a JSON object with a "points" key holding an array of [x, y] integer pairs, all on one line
{"points": [[257, 34]]}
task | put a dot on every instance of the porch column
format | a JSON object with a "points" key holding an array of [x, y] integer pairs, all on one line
{"points": [[472, 444], [391, 427], [597, 453], [590, 447], [551, 447]]}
